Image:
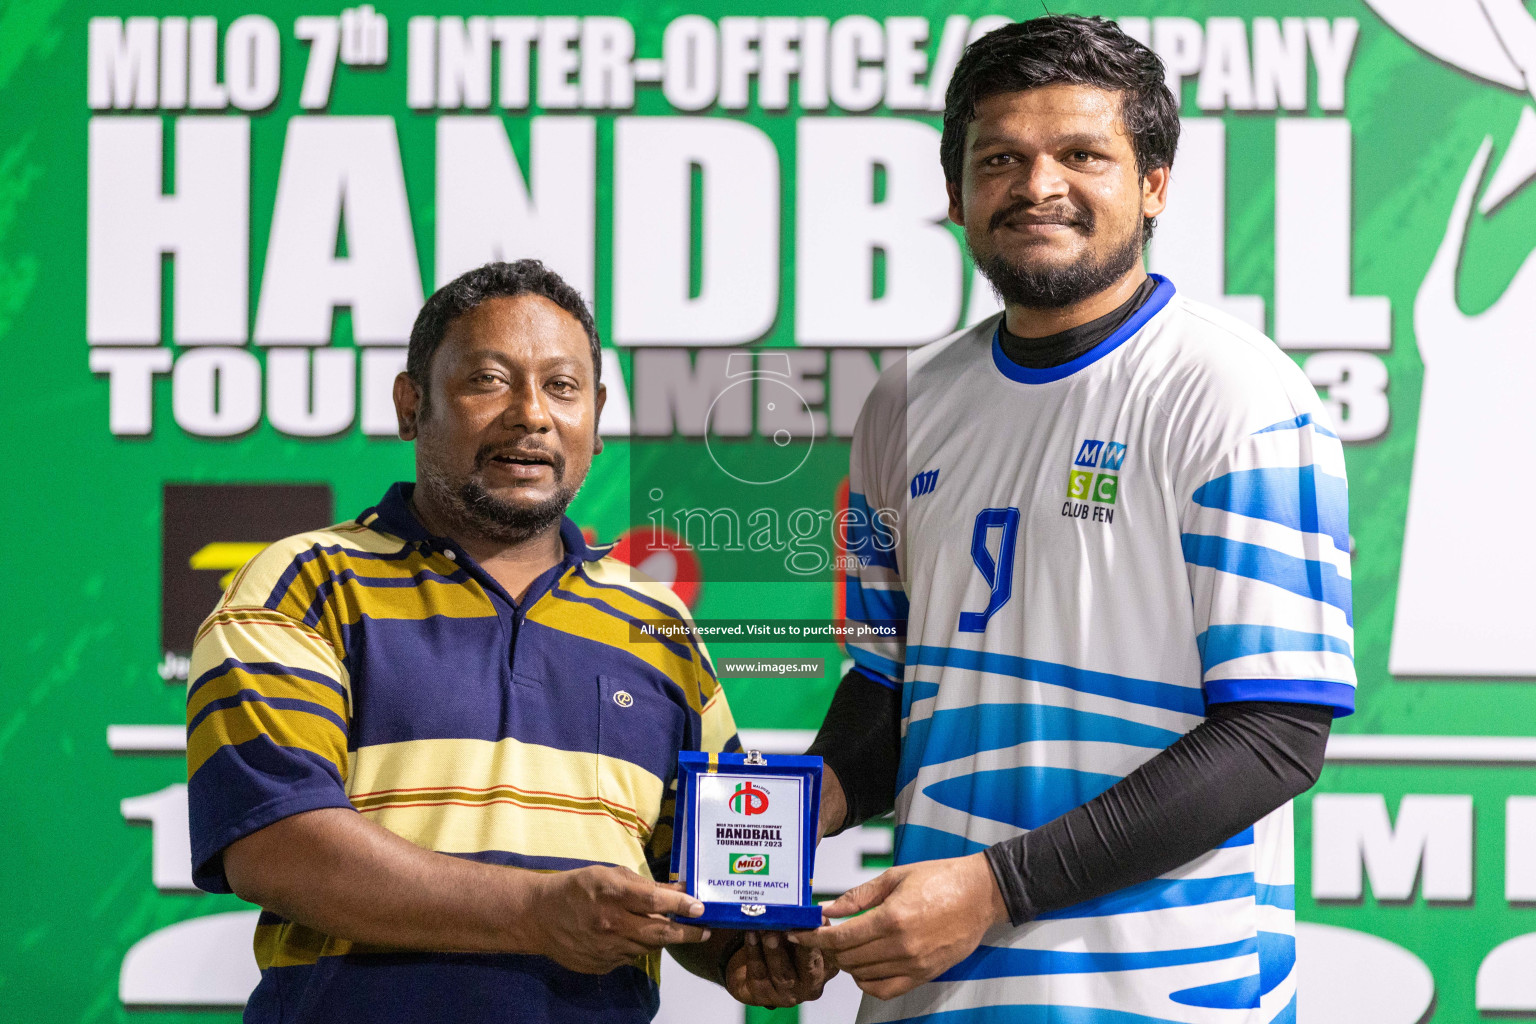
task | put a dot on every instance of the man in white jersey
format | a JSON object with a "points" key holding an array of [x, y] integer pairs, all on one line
{"points": [[1114, 524]]}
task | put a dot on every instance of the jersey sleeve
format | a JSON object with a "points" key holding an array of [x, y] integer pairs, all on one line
{"points": [[267, 720], [1266, 544], [874, 593]]}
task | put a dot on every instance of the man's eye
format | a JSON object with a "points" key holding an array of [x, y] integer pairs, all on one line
{"points": [[564, 387], [998, 159]]}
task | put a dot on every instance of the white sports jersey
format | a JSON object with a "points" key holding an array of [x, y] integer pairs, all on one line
{"points": [[1085, 557]]}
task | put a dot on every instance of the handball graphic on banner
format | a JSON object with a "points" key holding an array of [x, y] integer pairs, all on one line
{"points": [[1460, 611]]}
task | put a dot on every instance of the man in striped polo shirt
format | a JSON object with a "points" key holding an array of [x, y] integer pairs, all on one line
{"points": [[424, 740]]}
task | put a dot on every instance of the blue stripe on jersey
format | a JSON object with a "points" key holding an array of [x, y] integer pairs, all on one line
{"points": [[1160, 894], [1224, 643], [868, 604], [1301, 498], [919, 842], [1003, 962], [1025, 375], [309, 707], [878, 668], [1277, 955], [868, 537], [1235, 994], [959, 732], [1027, 796], [263, 668], [1287, 1015], [1306, 419], [1037, 1013], [1282, 897], [1340, 696], [1303, 577], [1243, 838], [1186, 699]]}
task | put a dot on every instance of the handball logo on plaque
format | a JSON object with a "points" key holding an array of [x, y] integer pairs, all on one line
{"points": [[746, 838]]}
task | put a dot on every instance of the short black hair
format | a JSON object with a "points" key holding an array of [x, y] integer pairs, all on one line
{"points": [[1064, 49], [492, 281]]}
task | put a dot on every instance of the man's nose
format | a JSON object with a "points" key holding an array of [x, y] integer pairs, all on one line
{"points": [[1040, 181], [527, 407]]}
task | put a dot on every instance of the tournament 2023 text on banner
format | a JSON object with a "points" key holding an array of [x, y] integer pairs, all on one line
{"points": [[217, 222]]}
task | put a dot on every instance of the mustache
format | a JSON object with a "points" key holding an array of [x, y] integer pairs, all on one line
{"points": [[522, 450], [1060, 213]]}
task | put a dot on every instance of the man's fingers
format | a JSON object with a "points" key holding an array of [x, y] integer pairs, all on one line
{"points": [[837, 938], [884, 952], [657, 932], [862, 897], [780, 968], [646, 897]]}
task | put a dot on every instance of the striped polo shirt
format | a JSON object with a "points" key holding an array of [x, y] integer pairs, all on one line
{"points": [[377, 667]]}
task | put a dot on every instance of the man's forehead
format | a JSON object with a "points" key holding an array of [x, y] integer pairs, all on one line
{"points": [[1049, 110], [516, 321]]}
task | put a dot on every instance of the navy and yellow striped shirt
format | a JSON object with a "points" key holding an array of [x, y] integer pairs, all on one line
{"points": [[374, 666]]}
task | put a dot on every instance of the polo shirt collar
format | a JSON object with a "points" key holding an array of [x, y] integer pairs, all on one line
{"points": [[393, 515]]}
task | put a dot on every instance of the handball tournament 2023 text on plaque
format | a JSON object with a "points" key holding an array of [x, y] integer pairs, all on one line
{"points": [[744, 840]]}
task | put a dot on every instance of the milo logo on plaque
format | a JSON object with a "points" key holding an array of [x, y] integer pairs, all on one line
{"points": [[749, 864], [749, 799]]}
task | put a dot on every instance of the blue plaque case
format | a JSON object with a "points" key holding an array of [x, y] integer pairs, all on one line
{"points": [[687, 843]]}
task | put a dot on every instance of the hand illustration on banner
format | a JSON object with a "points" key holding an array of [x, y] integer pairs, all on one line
{"points": [[1465, 601]]}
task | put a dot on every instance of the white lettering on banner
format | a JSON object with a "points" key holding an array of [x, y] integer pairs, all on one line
{"points": [[1344, 976], [463, 63], [1520, 849], [173, 63], [870, 196], [166, 813], [1433, 834], [123, 57], [1505, 982], [380, 368], [1270, 73], [204, 224], [216, 392], [340, 174], [1314, 304], [1353, 386], [839, 228], [738, 293], [130, 388], [487, 210], [514, 36], [1190, 244], [251, 62], [311, 392], [1226, 80]]}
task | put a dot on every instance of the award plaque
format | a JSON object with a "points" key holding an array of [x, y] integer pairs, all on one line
{"points": [[744, 838]]}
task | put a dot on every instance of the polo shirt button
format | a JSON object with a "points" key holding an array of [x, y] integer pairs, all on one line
{"points": [[622, 698], [451, 556]]}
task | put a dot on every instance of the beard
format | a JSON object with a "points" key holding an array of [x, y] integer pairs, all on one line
{"points": [[1046, 285], [472, 508]]}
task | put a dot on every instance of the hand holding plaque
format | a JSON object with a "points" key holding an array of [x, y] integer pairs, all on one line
{"points": [[744, 839]]}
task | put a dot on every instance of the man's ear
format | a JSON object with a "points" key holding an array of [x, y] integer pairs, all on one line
{"points": [[407, 406], [956, 208], [1154, 191], [597, 418]]}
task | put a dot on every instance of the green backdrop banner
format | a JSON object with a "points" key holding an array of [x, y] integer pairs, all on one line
{"points": [[217, 224]]}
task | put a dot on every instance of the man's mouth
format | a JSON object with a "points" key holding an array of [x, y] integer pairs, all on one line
{"points": [[523, 465]]}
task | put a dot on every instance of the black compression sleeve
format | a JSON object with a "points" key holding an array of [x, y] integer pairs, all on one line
{"points": [[860, 740], [1243, 761]]}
